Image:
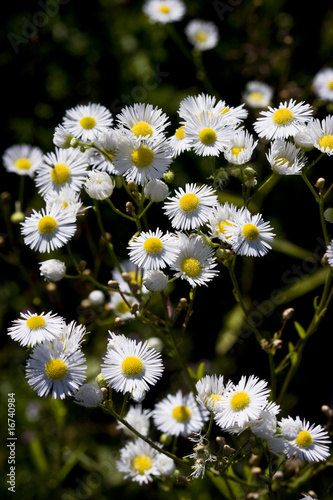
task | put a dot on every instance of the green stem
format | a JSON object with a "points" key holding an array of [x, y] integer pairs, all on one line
{"points": [[109, 246], [123, 408], [146, 439], [21, 192], [211, 421], [119, 212], [273, 376], [265, 187], [241, 300]]}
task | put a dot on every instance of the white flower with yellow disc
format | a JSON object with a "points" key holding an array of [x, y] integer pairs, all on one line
{"points": [[86, 121], [22, 159], [32, 329], [143, 120], [64, 168], [153, 250]]}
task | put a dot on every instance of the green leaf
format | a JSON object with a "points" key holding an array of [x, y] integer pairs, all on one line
{"points": [[201, 370], [300, 330], [328, 215]]}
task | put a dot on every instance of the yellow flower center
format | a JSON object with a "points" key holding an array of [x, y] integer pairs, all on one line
{"points": [[201, 36], [250, 231], [47, 225], [236, 151], [142, 128], [164, 9], [56, 369], [88, 122], [279, 161], [60, 173], [64, 205], [213, 399], [239, 401], [304, 439], [188, 202], [35, 322], [221, 227], [23, 164], [132, 366], [191, 267], [181, 413], [207, 136], [326, 141], [330, 85], [142, 157], [180, 133], [153, 245], [122, 307], [283, 116], [255, 96], [142, 463]]}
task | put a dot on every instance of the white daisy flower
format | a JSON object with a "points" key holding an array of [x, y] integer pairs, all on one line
{"points": [[153, 250], [107, 143], [138, 418], [265, 425], [62, 138], [156, 190], [195, 262], [310, 442], [138, 461], [193, 106], [116, 339], [165, 465], [130, 365], [155, 281], [208, 134], [119, 307], [89, 395], [211, 389], [164, 11], [32, 329], [48, 229], [86, 121], [179, 415], [132, 274], [65, 167], [179, 141], [99, 185], [323, 84], [52, 269], [284, 121], [249, 234], [233, 116], [72, 336], [257, 94], [285, 158], [143, 120], [302, 139], [277, 445], [242, 403], [50, 369], [191, 207], [240, 147], [22, 159], [221, 217], [67, 198], [329, 253], [203, 35], [321, 134], [142, 160]]}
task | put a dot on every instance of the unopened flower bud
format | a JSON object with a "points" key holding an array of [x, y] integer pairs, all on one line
{"points": [[113, 284], [249, 172], [277, 343], [134, 308], [324, 260], [130, 208], [17, 217], [100, 380], [288, 313], [132, 186], [320, 183], [278, 476], [256, 470], [74, 142], [168, 177]]}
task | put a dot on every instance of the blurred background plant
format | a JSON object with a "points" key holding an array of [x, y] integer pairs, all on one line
{"points": [[58, 54]]}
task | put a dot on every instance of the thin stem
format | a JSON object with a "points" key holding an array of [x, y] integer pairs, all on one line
{"points": [[211, 421], [21, 192], [273, 376], [123, 408], [241, 300], [146, 439], [109, 246], [119, 212]]}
